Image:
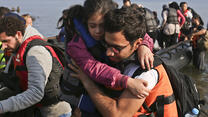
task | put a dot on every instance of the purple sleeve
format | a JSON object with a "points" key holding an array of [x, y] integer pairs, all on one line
{"points": [[96, 70], [148, 41]]}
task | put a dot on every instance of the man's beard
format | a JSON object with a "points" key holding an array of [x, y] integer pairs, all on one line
{"points": [[15, 49]]}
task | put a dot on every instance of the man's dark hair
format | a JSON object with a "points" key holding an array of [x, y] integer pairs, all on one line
{"points": [[128, 20], [3, 11], [11, 24]]}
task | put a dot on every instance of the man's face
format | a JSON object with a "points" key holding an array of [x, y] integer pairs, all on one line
{"points": [[9, 43], [118, 48]]}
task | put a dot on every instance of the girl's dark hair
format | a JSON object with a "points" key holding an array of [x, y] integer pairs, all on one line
{"points": [[128, 20], [83, 13], [66, 21], [97, 6]]}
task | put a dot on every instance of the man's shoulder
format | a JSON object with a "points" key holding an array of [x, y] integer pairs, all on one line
{"points": [[37, 50], [130, 68]]}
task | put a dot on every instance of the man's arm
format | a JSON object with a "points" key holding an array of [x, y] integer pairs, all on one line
{"points": [[126, 105], [39, 65], [201, 32], [198, 33]]}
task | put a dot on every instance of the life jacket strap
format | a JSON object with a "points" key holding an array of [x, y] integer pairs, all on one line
{"points": [[158, 105]]}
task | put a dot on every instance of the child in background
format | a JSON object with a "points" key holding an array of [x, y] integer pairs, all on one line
{"points": [[28, 19]]}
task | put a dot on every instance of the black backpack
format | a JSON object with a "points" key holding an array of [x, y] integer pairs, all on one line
{"points": [[184, 89], [184, 92]]}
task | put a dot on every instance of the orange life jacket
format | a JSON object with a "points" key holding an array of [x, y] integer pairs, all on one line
{"points": [[160, 95]]}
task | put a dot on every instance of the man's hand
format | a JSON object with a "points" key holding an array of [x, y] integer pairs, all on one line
{"points": [[138, 87], [78, 73], [145, 57]]}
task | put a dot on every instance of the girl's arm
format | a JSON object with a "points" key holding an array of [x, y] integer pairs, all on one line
{"points": [[145, 55], [101, 72], [98, 71]]}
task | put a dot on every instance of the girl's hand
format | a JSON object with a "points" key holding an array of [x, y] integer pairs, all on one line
{"points": [[145, 56], [138, 87]]}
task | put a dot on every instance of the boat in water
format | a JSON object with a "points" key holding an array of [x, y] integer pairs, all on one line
{"points": [[178, 55]]}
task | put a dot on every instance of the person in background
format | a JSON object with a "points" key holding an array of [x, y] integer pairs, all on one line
{"points": [[150, 20], [172, 22], [162, 35], [3, 11], [188, 23], [131, 22], [28, 19], [155, 14], [17, 10], [197, 32], [126, 3], [37, 67], [159, 38]]}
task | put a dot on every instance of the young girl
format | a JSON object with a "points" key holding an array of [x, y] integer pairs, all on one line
{"points": [[91, 16]]}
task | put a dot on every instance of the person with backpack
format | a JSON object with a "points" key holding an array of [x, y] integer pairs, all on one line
{"points": [[121, 50], [188, 23], [172, 22], [162, 35], [197, 35], [37, 67], [150, 21]]}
